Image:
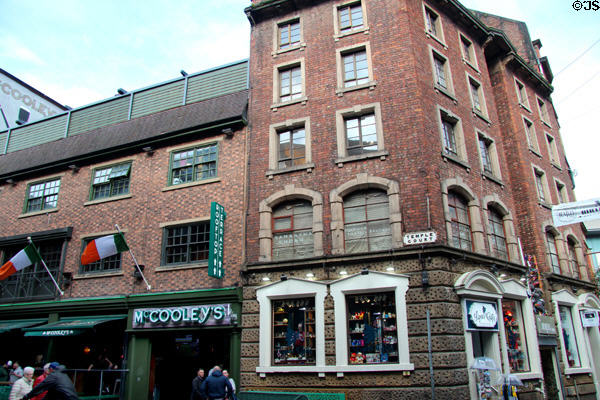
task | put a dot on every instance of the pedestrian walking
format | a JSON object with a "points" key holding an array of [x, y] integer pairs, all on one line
{"points": [[196, 385], [57, 383], [22, 386], [216, 385]]}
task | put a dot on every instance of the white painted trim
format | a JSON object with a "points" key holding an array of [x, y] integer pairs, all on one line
{"points": [[369, 284], [290, 288]]}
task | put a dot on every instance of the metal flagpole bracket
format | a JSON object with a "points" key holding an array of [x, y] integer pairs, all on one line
{"points": [[148, 287]]}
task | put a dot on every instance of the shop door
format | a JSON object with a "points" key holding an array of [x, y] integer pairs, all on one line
{"points": [[176, 358], [550, 371]]}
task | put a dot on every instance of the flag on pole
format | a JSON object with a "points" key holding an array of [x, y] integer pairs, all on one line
{"points": [[26, 257], [103, 247]]}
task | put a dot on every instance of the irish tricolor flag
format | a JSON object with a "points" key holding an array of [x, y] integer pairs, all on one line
{"points": [[103, 247], [29, 255]]}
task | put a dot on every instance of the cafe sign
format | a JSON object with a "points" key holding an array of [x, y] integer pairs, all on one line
{"points": [[481, 316], [184, 317], [589, 318]]}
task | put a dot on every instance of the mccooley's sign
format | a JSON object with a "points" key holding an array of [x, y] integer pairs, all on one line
{"points": [[183, 317]]}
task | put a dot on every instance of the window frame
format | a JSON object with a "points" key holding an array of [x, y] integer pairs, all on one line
{"points": [[543, 111], [356, 112], [562, 194], [495, 218], [361, 283], [550, 255], [522, 97], [104, 167], [338, 32], [531, 135], [193, 147], [459, 138], [274, 131], [567, 300], [492, 153], [435, 56], [42, 209], [368, 239], [173, 225], [353, 49], [475, 85], [436, 25], [292, 229], [540, 178], [99, 266], [552, 150], [277, 72], [467, 223], [276, 36], [467, 46]]}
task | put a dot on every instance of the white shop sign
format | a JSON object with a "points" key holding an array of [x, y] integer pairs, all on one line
{"points": [[420, 238], [481, 316], [589, 318]]}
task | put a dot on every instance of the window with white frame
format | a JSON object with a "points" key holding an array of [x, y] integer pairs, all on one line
{"points": [[477, 97], [354, 69], [552, 149], [541, 185], [433, 24], [543, 111], [468, 51], [552, 249], [292, 326], [569, 337], [289, 34], [359, 132], [561, 191], [289, 83], [530, 134], [522, 93], [371, 329], [516, 342]]}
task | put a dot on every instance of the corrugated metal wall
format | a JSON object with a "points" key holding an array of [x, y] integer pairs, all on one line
{"points": [[161, 97], [34, 134]]}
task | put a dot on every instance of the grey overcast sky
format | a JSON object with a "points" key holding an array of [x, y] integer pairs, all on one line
{"points": [[81, 51]]}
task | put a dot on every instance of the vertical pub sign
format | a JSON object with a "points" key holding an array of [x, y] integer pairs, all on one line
{"points": [[217, 233]]}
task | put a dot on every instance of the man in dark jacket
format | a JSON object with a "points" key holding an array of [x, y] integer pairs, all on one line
{"points": [[58, 385], [196, 384], [214, 386]]}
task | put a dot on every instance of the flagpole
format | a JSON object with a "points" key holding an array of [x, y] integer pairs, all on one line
{"points": [[136, 263], [45, 266]]}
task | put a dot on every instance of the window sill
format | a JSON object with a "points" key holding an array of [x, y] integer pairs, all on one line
{"points": [[92, 275], [351, 32], [302, 100], [107, 199], [545, 205], [474, 67], [42, 212], [166, 268], [308, 167], [464, 164], [440, 41], [492, 178], [186, 185], [445, 92], [579, 370], [525, 107], [381, 154], [528, 375], [482, 116], [339, 369], [534, 151], [341, 90], [555, 165], [299, 46], [546, 123]]}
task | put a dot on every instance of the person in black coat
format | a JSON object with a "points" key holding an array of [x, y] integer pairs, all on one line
{"points": [[196, 384], [214, 387], [58, 385]]}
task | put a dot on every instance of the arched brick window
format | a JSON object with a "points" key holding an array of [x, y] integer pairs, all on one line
{"points": [[460, 222], [574, 267], [292, 230], [367, 221]]}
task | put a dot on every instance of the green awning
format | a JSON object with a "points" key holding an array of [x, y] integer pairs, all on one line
{"points": [[6, 326], [71, 326]]}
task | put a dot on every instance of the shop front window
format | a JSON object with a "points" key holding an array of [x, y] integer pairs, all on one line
{"points": [[515, 336], [569, 339], [294, 331], [372, 328]]}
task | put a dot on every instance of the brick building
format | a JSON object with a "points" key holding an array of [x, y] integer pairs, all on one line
{"points": [[404, 157], [150, 161]]}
